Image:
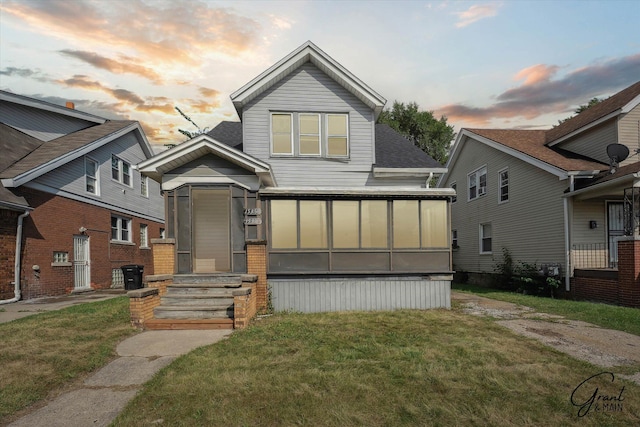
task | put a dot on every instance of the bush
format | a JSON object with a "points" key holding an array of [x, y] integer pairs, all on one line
{"points": [[523, 277]]}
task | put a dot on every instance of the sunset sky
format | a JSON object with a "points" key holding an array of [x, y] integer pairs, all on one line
{"points": [[506, 64]]}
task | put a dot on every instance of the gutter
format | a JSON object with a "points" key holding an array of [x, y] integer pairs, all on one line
{"points": [[16, 282]]}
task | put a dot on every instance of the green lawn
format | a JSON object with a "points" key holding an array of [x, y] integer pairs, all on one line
{"points": [[436, 367], [607, 316], [42, 353]]}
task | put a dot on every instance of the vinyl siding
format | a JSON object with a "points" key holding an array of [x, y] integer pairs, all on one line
{"points": [[530, 225], [583, 212], [41, 124], [210, 169], [593, 143], [629, 133], [71, 178], [375, 293], [310, 90]]}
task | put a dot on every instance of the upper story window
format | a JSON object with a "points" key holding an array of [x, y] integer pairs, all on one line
{"points": [[477, 181], [120, 229], [91, 176], [503, 178], [310, 135], [120, 170], [144, 185]]}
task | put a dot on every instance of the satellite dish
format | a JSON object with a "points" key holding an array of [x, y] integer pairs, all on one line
{"points": [[617, 152]]}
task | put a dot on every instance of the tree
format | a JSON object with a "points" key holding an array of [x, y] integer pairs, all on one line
{"points": [[188, 134], [581, 108], [431, 135]]}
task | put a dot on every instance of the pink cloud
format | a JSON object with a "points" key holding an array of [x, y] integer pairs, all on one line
{"points": [[536, 74], [476, 13]]}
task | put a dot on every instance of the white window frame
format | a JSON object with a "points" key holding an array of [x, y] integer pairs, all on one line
{"points": [[477, 175], [454, 239], [482, 238], [96, 178], [300, 135], [454, 186], [119, 229], [291, 153], [144, 236], [501, 184], [329, 135], [120, 169], [144, 186]]}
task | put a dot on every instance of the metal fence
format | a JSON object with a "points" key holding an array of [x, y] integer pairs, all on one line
{"points": [[592, 255]]}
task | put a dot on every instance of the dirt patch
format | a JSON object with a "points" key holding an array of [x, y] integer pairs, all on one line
{"points": [[602, 347]]}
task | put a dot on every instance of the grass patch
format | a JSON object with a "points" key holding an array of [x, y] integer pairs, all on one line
{"points": [[41, 353], [433, 367], [605, 315]]}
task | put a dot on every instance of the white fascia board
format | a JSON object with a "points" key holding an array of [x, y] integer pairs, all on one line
{"points": [[356, 191], [308, 51], [144, 142], [585, 128], [175, 181], [631, 105], [406, 172], [560, 173], [15, 207], [36, 172], [90, 201], [612, 183], [42, 105]]}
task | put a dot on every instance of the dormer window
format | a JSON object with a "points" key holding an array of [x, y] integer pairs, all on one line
{"points": [[310, 135]]}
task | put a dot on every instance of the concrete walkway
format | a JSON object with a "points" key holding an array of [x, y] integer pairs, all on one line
{"points": [[103, 395]]}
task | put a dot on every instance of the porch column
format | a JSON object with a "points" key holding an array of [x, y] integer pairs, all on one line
{"points": [[163, 256], [629, 271], [257, 264]]}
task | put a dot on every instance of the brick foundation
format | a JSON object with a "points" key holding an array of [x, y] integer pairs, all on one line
{"points": [[244, 306], [163, 256], [141, 305], [8, 230], [257, 264]]}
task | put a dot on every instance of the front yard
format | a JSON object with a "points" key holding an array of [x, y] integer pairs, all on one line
{"points": [[391, 368]]}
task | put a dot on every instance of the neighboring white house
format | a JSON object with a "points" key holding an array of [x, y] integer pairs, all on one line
{"points": [[341, 205], [550, 197]]}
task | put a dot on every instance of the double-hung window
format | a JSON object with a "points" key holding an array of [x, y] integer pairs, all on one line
{"points": [[91, 176], [120, 170], [120, 229], [485, 238], [310, 134], [477, 181], [144, 185], [144, 236], [503, 177]]}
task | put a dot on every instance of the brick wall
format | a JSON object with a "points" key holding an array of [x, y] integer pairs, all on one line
{"points": [[51, 227], [257, 264], [141, 305], [8, 229], [163, 256]]}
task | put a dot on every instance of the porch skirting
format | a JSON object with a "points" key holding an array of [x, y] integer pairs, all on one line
{"points": [[322, 294]]}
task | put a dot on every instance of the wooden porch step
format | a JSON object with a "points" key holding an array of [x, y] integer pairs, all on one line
{"points": [[188, 299], [188, 324]]}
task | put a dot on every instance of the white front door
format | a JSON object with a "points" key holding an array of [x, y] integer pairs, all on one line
{"points": [[81, 262]]}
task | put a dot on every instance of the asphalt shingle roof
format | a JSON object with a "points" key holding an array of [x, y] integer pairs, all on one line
{"points": [[14, 145], [392, 149], [532, 143]]}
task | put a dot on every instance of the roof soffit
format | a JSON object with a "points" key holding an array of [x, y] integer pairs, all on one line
{"points": [[308, 52]]}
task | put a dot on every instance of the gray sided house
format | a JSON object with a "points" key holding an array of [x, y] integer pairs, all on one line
{"points": [[341, 206], [554, 198], [72, 207]]}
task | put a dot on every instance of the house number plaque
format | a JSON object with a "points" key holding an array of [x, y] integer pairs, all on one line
{"points": [[254, 212], [252, 216], [252, 221]]}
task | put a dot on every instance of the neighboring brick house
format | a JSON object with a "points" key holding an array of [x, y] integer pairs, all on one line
{"points": [[307, 189], [69, 190]]}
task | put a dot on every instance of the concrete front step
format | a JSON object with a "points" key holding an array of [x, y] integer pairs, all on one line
{"points": [[215, 278], [189, 324], [192, 312], [222, 300]]}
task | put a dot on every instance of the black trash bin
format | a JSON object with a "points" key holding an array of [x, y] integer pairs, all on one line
{"points": [[132, 276]]}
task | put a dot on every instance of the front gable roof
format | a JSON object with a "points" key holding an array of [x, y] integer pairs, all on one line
{"points": [[47, 106], [308, 52], [197, 147], [622, 102], [57, 152]]}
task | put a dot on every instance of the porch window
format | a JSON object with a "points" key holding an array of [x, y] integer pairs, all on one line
{"points": [[477, 181], [503, 178], [406, 224], [313, 224], [91, 176], [433, 217], [281, 134], [284, 224], [360, 224], [485, 238], [309, 134]]}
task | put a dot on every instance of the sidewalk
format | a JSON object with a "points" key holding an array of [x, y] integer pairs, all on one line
{"points": [[103, 395]]}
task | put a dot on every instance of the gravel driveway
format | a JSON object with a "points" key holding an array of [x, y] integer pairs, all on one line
{"points": [[602, 347]]}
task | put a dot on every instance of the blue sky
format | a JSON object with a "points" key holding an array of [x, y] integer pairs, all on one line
{"points": [[506, 64]]}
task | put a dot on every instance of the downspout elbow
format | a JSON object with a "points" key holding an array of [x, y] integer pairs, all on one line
{"points": [[16, 273]]}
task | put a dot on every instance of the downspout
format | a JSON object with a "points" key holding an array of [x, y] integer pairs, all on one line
{"points": [[16, 276], [567, 249], [429, 180]]}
